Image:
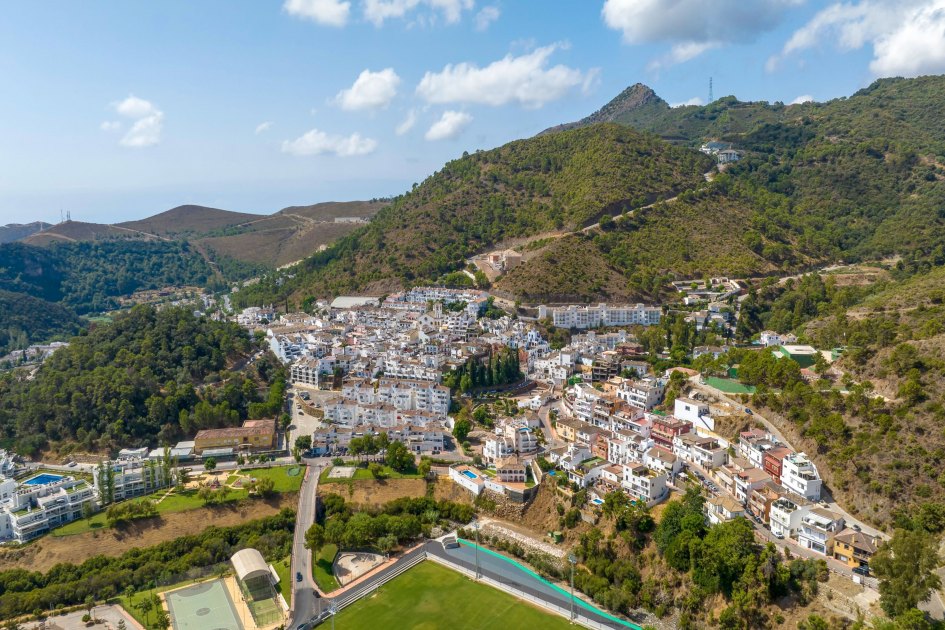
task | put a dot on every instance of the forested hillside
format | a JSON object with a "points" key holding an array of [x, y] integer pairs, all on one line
{"points": [[528, 187], [853, 179], [149, 377], [47, 287], [25, 319]]}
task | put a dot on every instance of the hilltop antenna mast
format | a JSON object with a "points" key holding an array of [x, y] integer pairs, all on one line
{"points": [[68, 215], [711, 97]]}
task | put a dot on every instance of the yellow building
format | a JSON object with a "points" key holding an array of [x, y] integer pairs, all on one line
{"points": [[853, 548], [254, 435], [567, 429]]}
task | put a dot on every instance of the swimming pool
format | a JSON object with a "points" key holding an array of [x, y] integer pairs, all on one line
{"points": [[470, 474], [596, 501], [42, 479]]}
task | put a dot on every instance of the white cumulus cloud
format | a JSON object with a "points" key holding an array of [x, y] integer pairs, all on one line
{"points": [[324, 12], [486, 16], [695, 100], [315, 142], [907, 36], [450, 125], [526, 79], [371, 90], [263, 127], [407, 123], [377, 11], [692, 26], [147, 125], [803, 98]]}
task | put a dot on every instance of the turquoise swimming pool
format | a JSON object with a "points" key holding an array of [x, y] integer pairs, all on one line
{"points": [[42, 479], [470, 474]]}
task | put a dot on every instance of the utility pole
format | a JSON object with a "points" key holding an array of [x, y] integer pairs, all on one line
{"points": [[572, 561]]}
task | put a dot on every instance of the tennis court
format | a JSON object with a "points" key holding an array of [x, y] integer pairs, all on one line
{"points": [[205, 606]]}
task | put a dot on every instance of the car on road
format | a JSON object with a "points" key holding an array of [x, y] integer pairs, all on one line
{"points": [[857, 528], [864, 571], [748, 411], [298, 576], [779, 536]]}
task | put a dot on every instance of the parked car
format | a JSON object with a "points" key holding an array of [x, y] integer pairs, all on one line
{"points": [[748, 411], [864, 571], [298, 576], [779, 536]]}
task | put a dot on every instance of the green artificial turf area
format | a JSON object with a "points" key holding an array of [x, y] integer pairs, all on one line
{"points": [[430, 597], [283, 570], [364, 473]]}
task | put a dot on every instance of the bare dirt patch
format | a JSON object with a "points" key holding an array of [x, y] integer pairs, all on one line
{"points": [[376, 492], [42, 554]]}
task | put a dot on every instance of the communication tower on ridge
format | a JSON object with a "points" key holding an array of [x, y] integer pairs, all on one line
{"points": [[711, 97]]}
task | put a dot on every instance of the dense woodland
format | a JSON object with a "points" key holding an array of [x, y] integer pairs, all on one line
{"points": [[149, 377], [44, 289]]}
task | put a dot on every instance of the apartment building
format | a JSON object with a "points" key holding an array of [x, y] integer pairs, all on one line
{"points": [[800, 476], [665, 429], [785, 515], [854, 549], [817, 530], [42, 503], [702, 451], [643, 394], [581, 317], [643, 483]]}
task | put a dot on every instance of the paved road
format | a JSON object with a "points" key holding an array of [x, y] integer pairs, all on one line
{"points": [[788, 543], [305, 604], [827, 498]]}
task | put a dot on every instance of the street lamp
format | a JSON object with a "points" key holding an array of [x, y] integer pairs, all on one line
{"points": [[332, 610], [572, 561], [476, 528]]}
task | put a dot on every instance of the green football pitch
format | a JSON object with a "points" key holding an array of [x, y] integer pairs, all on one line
{"points": [[432, 597]]}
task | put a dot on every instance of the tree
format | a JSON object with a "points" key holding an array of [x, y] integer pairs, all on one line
{"points": [[376, 470], [265, 486], [461, 429], [90, 606], [906, 569], [303, 442], [399, 457], [210, 464], [315, 537], [183, 477], [424, 468]]}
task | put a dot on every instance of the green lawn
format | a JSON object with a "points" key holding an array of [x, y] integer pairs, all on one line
{"points": [[430, 597], [184, 500], [283, 569], [322, 568], [286, 478], [364, 473]]}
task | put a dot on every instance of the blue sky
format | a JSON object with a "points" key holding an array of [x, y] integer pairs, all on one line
{"points": [[117, 110]]}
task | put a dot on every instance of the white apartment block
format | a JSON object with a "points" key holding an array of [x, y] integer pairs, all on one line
{"points": [[643, 394], [402, 394], [128, 478], [643, 483], [574, 316], [703, 451], [817, 529], [800, 476], [784, 516], [40, 504], [753, 444]]}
